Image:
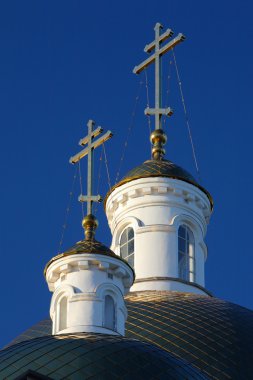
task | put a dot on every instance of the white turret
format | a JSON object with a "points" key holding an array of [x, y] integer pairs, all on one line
{"points": [[158, 213], [88, 283], [158, 217]]}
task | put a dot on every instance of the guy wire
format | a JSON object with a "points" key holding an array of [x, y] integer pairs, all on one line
{"points": [[185, 112], [107, 167], [64, 226], [130, 127], [81, 186], [98, 181]]}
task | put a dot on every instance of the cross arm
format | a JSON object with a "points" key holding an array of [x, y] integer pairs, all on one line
{"points": [[95, 144], [158, 111], [95, 133], [92, 198], [167, 34], [170, 45], [138, 69]]}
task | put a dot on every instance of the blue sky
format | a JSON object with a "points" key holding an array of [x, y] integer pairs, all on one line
{"points": [[63, 62]]}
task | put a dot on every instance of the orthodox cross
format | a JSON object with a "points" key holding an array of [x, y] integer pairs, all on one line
{"points": [[90, 198], [158, 111]]}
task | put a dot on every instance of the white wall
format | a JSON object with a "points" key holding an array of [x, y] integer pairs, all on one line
{"points": [[155, 208], [85, 280]]}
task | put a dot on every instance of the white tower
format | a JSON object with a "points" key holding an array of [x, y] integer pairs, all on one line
{"points": [[88, 281], [158, 217], [158, 213]]}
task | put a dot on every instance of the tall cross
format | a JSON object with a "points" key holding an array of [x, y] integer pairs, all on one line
{"points": [[158, 111], [90, 198]]}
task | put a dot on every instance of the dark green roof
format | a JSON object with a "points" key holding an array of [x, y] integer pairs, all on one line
{"points": [[213, 335], [92, 356], [160, 168]]}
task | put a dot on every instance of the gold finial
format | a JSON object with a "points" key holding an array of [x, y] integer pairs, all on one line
{"points": [[89, 223], [158, 138]]}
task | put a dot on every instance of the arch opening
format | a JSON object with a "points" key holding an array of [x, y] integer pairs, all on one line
{"points": [[110, 314]]}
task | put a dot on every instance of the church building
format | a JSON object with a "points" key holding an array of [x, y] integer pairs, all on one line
{"points": [[139, 309]]}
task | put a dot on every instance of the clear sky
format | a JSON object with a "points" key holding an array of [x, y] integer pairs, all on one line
{"points": [[63, 62]]}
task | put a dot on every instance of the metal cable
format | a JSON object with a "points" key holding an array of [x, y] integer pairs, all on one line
{"points": [[107, 167], [98, 181], [148, 102], [167, 92], [64, 226], [130, 127], [148, 105], [81, 186], [185, 112]]}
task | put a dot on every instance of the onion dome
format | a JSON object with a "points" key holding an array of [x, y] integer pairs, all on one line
{"points": [[96, 356], [213, 335], [160, 168]]}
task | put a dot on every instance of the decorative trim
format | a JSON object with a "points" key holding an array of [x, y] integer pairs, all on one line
{"points": [[85, 297], [117, 228], [156, 228], [172, 190], [65, 290], [127, 180], [147, 279], [85, 261]]}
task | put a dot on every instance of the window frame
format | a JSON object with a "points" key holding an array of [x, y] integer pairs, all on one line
{"points": [[188, 241], [126, 244]]}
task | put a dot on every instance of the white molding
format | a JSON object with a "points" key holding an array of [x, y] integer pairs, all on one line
{"points": [[79, 262], [156, 228], [89, 329], [157, 186], [64, 291]]}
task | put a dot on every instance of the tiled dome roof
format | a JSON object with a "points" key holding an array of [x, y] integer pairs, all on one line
{"points": [[213, 335], [91, 356]]}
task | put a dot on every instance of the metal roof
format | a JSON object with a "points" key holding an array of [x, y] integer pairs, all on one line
{"points": [[89, 247], [213, 335], [159, 168], [92, 356]]}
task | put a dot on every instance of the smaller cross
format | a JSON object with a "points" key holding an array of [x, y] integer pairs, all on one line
{"points": [[158, 111], [91, 145]]}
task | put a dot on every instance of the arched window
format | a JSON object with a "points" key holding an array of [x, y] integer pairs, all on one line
{"points": [[127, 246], [63, 314], [186, 259], [109, 313]]}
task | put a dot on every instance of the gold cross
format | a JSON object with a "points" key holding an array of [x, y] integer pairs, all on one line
{"points": [[158, 111], [90, 198]]}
